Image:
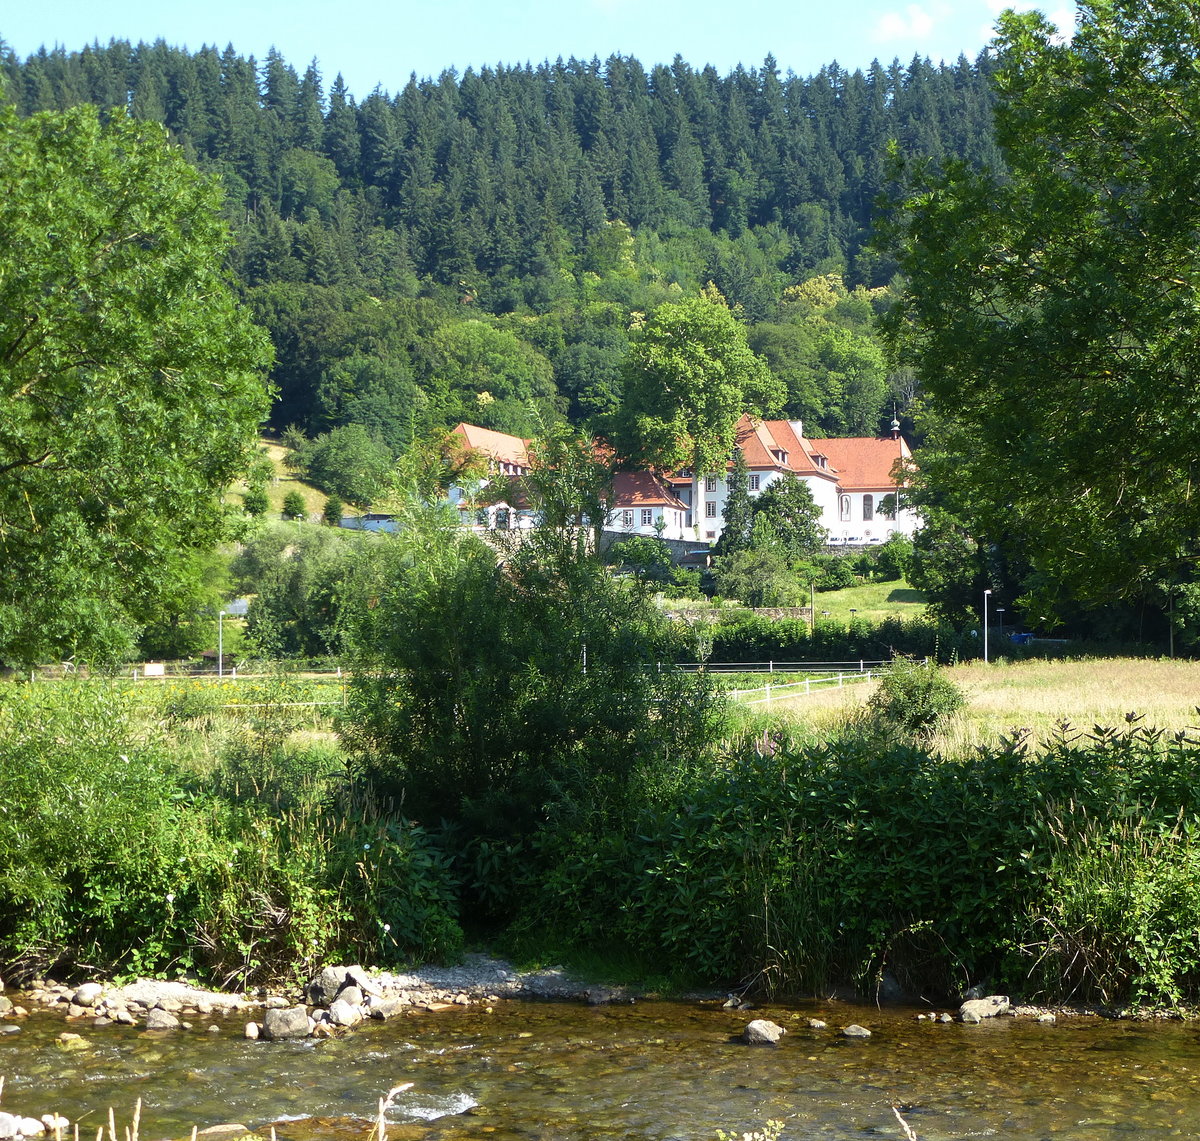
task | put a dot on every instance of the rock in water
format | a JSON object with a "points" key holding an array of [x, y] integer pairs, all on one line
{"points": [[760, 1032], [290, 1023], [980, 1008]]}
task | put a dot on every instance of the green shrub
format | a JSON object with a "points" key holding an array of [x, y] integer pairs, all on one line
{"points": [[914, 697]]}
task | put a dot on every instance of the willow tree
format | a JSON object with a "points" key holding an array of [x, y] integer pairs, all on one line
{"points": [[130, 380]]}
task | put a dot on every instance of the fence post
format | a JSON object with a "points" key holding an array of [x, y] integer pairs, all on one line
{"points": [[770, 667], [860, 665]]}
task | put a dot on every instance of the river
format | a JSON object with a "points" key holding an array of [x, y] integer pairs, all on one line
{"points": [[660, 1071]]}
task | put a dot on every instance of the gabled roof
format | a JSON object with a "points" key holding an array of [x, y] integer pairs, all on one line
{"points": [[495, 445], [866, 463], [642, 489], [778, 445]]}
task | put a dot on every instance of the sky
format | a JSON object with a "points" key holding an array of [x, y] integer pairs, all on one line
{"points": [[383, 43]]}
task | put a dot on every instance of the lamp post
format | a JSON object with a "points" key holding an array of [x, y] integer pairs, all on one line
{"points": [[986, 595], [220, 643]]}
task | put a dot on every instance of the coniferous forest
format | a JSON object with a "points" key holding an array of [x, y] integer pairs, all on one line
{"points": [[477, 246]]}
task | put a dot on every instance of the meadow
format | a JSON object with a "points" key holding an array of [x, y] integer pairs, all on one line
{"points": [[1004, 697]]}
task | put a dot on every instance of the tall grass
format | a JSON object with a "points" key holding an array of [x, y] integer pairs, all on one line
{"points": [[158, 831]]}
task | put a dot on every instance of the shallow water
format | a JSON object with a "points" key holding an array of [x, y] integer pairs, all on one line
{"points": [[654, 1070]]}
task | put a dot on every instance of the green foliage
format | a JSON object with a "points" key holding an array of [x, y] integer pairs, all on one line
{"points": [[293, 506], [130, 390], [347, 462], [297, 579], [333, 511], [496, 695], [1051, 307], [914, 697], [689, 377], [893, 559], [113, 859], [795, 867], [759, 576], [255, 501], [649, 557]]}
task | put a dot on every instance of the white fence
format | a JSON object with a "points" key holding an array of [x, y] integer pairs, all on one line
{"points": [[801, 688]]}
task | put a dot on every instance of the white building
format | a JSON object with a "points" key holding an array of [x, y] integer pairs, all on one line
{"points": [[857, 483]]}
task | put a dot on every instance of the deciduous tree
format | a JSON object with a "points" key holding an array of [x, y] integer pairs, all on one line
{"points": [[689, 378], [130, 382], [1053, 310]]}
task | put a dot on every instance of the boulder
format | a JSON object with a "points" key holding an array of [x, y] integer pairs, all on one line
{"points": [[289, 1023], [161, 1020], [761, 1032], [359, 978], [342, 1013], [351, 994], [980, 1008], [5, 1005], [87, 995], [855, 1031], [385, 1008], [323, 989]]}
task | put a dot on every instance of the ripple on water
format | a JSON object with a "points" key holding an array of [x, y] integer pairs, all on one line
{"points": [[653, 1071]]}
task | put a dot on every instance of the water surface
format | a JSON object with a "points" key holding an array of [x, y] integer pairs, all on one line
{"points": [[652, 1070]]}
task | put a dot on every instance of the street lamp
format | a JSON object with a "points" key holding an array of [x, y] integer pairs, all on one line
{"points": [[220, 643], [986, 595]]}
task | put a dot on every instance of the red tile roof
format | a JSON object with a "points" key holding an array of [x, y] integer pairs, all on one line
{"points": [[495, 445], [866, 463], [643, 489]]}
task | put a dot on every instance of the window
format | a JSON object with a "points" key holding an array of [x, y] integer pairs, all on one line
{"points": [[647, 517], [754, 482], [626, 518], [844, 509], [868, 507], [502, 519], [710, 510], [710, 483]]}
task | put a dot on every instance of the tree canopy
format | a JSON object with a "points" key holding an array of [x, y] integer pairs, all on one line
{"points": [[130, 382], [1053, 310], [689, 378]]}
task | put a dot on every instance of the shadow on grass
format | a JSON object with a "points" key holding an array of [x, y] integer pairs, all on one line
{"points": [[906, 594]]}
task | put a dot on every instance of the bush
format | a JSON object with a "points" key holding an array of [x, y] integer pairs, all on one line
{"points": [[255, 501], [293, 506], [914, 697]]}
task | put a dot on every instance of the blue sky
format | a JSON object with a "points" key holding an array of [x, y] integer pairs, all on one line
{"points": [[382, 43]]}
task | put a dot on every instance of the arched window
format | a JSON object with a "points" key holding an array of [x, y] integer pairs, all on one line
{"points": [[868, 507], [844, 509]]}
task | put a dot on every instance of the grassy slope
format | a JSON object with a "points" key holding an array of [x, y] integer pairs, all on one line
{"points": [[874, 602], [284, 481]]}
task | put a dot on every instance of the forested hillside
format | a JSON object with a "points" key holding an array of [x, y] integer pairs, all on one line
{"points": [[477, 246]]}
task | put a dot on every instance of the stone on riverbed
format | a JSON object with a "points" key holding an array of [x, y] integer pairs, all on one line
{"points": [[855, 1031], [977, 1009], [87, 995], [290, 1023], [161, 1020], [12, 1126], [343, 1013], [762, 1032]]}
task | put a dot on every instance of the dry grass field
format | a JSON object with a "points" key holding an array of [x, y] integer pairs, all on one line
{"points": [[1003, 696]]}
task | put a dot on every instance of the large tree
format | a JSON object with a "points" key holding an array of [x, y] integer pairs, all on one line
{"points": [[130, 384], [689, 377], [1053, 310]]}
